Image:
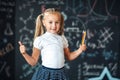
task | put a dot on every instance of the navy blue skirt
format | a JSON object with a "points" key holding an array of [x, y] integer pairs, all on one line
{"points": [[44, 73]]}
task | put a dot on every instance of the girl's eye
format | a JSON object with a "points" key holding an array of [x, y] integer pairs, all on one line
{"points": [[50, 22], [57, 22]]}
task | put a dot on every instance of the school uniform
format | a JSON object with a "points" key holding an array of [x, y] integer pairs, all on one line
{"points": [[52, 56]]}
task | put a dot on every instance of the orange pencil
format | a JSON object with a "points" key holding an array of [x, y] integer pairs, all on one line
{"points": [[83, 37]]}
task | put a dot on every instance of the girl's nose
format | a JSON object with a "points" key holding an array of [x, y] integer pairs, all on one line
{"points": [[54, 25]]}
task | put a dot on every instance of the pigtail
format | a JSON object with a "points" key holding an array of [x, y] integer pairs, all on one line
{"points": [[39, 29], [61, 31]]}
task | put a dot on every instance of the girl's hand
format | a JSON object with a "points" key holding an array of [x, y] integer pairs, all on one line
{"points": [[22, 47], [83, 47]]}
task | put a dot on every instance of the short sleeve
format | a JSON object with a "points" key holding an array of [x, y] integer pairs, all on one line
{"points": [[38, 43], [65, 41]]}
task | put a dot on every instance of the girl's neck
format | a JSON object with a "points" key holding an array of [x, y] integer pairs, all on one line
{"points": [[51, 33]]}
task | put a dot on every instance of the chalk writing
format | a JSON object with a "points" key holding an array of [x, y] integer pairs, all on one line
{"points": [[25, 22], [103, 39], [109, 55], [8, 31], [8, 48], [7, 8], [79, 72], [113, 68], [89, 67], [5, 68]]}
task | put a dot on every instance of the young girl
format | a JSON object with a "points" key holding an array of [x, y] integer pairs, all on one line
{"points": [[51, 44]]}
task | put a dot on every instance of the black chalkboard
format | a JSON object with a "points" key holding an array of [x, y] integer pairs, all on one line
{"points": [[99, 18]]}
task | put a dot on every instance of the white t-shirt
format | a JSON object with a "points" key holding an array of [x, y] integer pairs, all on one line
{"points": [[52, 49]]}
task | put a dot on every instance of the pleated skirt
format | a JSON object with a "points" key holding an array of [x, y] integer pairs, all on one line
{"points": [[44, 73]]}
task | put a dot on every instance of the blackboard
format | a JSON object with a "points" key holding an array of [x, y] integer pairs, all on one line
{"points": [[100, 18], [7, 39]]}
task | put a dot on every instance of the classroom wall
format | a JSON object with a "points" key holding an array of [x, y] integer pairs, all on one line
{"points": [[99, 18]]}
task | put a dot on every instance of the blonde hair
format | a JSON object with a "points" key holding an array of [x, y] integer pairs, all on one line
{"points": [[40, 29]]}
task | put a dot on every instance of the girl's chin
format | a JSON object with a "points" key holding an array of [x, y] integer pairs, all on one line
{"points": [[54, 32]]}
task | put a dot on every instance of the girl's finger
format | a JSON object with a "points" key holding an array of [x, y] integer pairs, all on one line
{"points": [[20, 43]]}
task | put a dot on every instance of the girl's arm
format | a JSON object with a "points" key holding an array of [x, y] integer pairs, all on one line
{"points": [[73, 55], [32, 60]]}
